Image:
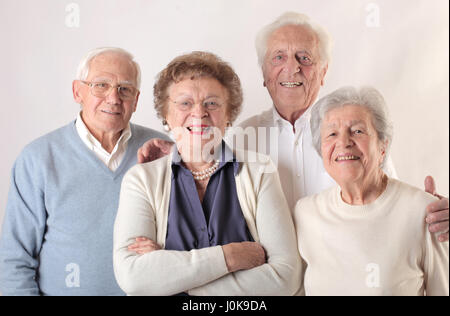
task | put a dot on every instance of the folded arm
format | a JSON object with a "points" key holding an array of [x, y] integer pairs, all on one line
{"points": [[281, 275], [152, 270]]}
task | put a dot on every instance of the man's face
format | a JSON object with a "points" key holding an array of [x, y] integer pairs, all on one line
{"points": [[111, 113], [293, 72]]}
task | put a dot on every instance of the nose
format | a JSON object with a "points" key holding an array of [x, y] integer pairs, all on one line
{"points": [[113, 97], [345, 140], [198, 111], [292, 65]]}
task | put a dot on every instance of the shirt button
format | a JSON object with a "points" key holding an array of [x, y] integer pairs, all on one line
{"points": [[296, 143], [203, 229]]}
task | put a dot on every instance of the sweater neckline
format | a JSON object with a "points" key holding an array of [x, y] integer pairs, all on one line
{"points": [[96, 160], [366, 209]]}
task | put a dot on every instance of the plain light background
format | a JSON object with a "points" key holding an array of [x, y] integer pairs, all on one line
{"points": [[401, 47]]}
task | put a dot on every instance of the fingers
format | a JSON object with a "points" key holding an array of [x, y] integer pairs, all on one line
{"points": [[443, 237], [430, 186], [140, 157], [143, 245], [153, 149], [437, 211], [436, 217], [441, 227], [164, 146], [144, 153]]}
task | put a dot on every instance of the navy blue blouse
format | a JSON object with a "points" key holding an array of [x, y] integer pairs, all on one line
{"points": [[215, 222]]}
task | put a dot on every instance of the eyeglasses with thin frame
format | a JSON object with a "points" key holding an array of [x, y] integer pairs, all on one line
{"points": [[103, 89], [186, 104]]}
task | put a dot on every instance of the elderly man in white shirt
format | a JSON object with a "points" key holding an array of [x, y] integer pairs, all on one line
{"points": [[294, 53]]}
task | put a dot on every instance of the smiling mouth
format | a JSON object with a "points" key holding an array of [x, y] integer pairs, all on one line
{"points": [[292, 84], [110, 112], [347, 158], [198, 130]]}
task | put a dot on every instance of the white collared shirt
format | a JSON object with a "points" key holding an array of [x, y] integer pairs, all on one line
{"points": [[111, 160], [300, 167]]}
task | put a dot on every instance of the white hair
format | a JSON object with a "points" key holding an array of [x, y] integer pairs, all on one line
{"points": [[83, 67], [367, 97], [293, 18]]}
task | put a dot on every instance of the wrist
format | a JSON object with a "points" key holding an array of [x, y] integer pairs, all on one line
{"points": [[229, 257]]}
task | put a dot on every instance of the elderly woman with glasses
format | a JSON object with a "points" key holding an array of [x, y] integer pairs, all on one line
{"points": [[367, 235], [202, 220]]}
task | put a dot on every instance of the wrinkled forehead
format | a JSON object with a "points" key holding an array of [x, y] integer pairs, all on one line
{"points": [[294, 37], [348, 115], [202, 86], [112, 66]]}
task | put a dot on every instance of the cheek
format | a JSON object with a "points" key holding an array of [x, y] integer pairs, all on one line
{"points": [[311, 74], [271, 75], [327, 152], [130, 108], [175, 118], [90, 105]]}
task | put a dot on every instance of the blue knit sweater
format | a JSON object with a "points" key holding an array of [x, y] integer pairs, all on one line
{"points": [[57, 235]]}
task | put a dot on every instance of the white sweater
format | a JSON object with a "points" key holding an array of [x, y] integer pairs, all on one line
{"points": [[143, 211], [383, 248]]}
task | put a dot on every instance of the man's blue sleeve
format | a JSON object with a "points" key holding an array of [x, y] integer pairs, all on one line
{"points": [[23, 229]]}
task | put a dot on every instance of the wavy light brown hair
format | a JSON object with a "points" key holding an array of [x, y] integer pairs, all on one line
{"points": [[195, 65]]}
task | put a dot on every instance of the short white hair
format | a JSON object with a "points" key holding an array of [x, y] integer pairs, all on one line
{"points": [[83, 67], [293, 18], [366, 97]]}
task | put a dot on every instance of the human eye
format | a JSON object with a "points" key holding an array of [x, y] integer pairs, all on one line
{"points": [[101, 85], [278, 58], [126, 89], [211, 105], [305, 60], [358, 130], [184, 104]]}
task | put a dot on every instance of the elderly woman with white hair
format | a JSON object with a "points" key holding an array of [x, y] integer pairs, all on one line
{"points": [[368, 235]]}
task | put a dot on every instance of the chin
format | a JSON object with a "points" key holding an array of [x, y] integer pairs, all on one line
{"points": [[345, 175]]}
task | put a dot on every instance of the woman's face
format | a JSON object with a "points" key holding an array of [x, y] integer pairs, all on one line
{"points": [[351, 150], [197, 114]]}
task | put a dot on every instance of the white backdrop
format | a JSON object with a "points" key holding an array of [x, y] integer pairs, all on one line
{"points": [[398, 46]]}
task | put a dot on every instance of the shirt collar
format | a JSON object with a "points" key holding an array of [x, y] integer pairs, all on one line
{"points": [[91, 141], [225, 153], [281, 122]]}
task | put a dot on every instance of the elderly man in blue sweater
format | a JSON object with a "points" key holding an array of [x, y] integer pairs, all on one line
{"points": [[57, 234]]}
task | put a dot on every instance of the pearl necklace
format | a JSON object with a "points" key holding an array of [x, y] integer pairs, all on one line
{"points": [[205, 174]]}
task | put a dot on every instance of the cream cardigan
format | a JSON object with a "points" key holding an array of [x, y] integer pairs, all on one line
{"points": [[143, 211]]}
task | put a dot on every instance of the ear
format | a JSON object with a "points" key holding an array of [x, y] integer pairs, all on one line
{"points": [[76, 90], [324, 72], [384, 146]]}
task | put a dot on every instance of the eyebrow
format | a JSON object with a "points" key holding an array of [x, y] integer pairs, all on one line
{"points": [[185, 94], [126, 82], [108, 80], [284, 50], [352, 123]]}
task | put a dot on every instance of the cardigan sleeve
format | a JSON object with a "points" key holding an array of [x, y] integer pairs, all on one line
{"points": [[23, 229], [281, 275], [161, 272]]}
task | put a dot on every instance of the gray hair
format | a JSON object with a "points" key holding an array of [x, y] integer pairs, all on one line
{"points": [[367, 97], [83, 67], [293, 18]]}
